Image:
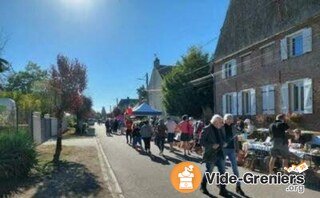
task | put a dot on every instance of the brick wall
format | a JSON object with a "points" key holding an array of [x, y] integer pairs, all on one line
{"points": [[255, 75]]}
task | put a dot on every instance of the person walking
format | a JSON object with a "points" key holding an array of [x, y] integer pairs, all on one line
{"points": [[184, 128], [230, 134], [280, 142], [171, 126], [161, 135], [212, 139], [129, 131], [190, 132], [146, 134], [197, 134], [107, 124], [115, 126], [136, 136]]}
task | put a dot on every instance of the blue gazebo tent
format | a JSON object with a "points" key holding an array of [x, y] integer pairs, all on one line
{"points": [[145, 110]]}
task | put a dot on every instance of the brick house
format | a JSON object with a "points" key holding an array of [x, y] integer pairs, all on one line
{"points": [[267, 60]]}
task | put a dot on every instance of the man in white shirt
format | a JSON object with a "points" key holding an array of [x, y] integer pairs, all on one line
{"points": [[171, 125]]}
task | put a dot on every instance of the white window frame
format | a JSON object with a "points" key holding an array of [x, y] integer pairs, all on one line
{"points": [[248, 103], [291, 46], [268, 99], [305, 97], [229, 101], [286, 43], [229, 69]]}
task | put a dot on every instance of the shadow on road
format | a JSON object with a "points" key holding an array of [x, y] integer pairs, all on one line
{"points": [[160, 160], [189, 158], [175, 150]]}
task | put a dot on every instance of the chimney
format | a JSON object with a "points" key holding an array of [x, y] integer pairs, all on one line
{"points": [[156, 62]]}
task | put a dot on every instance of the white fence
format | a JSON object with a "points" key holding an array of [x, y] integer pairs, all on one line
{"points": [[45, 128]]}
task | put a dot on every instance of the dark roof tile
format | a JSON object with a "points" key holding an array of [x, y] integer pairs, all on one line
{"points": [[248, 22]]}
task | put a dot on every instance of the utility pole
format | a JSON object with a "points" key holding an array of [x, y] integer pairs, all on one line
{"points": [[147, 80]]}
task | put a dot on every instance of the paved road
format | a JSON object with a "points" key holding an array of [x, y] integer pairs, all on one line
{"points": [[142, 176]]}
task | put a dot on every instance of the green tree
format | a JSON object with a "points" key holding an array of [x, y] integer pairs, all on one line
{"points": [[26, 103], [68, 81], [142, 93], [188, 88], [4, 65], [103, 113], [24, 81], [83, 112]]}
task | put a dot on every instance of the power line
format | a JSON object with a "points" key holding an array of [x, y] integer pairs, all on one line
{"points": [[219, 72], [207, 78]]}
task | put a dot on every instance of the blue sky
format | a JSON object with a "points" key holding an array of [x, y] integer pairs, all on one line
{"points": [[116, 39]]}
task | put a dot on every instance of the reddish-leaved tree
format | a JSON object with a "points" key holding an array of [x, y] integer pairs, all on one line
{"points": [[68, 81]]}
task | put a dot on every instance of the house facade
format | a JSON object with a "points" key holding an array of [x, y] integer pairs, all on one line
{"points": [[128, 102], [155, 96], [267, 60]]}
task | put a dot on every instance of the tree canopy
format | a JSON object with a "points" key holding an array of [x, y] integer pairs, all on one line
{"points": [[187, 89], [142, 92], [24, 81], [103, 113], [68, 81]]}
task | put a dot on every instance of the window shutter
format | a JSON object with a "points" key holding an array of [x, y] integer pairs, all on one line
{"points": [[240, 103], [271, 99], [253, 102], [284, 49], [223, 72], [264, 99], [307, 40], [233, 67], [307, 86], [224, 104], [234, 103], [284, 98]]}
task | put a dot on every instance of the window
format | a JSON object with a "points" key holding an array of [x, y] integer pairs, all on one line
{"points": [[267, 55], [296, 44], [247, 102], [229, 69], [296, 96], [229, 103], [268, 106], [245, 62]]}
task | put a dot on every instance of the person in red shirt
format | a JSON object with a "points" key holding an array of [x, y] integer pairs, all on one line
{"points": [[184, 128], [129, 125]]}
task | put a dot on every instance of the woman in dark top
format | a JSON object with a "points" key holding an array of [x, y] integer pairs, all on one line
{"points": [[161, 135], [136, 136]]}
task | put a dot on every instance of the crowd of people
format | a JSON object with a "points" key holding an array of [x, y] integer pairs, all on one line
{"points": [[221, 137]]}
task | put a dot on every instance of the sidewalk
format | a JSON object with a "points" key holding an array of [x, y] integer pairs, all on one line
{"points": [[105, 173], [84, 172]]}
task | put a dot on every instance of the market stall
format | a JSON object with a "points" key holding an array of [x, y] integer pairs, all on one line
{"points": [[145, 110]]}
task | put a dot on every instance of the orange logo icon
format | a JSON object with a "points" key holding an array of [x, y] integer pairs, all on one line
{"points": [[186, 177]]}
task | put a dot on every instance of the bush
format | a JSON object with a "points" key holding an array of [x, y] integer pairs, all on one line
{"points": [[17, 155], [71, 120]]}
